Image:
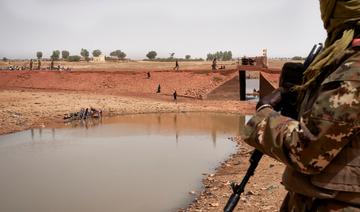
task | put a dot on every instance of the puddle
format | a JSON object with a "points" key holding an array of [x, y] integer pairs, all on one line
{"points": [[128, 163]]}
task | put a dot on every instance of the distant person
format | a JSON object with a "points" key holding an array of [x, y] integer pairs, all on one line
{"points": [[148, 75], [176, 65], [158, 89], [52, 65], [175, 96], [39, 64], [214, 64], [31, 64]]}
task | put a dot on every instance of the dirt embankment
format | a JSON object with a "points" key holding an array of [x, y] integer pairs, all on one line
{"points": [[186, 83]]}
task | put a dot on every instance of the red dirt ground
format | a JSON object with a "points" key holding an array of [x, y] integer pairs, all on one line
{"points": [[194, 84]]}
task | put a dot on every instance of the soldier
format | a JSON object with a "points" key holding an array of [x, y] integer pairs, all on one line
{"points": [[321, 148], [31, 64], [175, 96], [176, 65], [214, 65], [39, 65], [52, 64]]}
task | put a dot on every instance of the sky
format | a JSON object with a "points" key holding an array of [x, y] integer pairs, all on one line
{"points": [[286, 28]]}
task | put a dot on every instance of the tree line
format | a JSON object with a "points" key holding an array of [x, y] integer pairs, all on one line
{"points": [[118, 54], [84, 53], [152, 55], [220, 55]]}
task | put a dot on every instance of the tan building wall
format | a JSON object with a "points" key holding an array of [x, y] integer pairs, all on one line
{"points": [[100, 59]]}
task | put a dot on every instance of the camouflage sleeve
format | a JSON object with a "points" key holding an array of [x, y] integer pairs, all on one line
{"points": [[310, 144]]}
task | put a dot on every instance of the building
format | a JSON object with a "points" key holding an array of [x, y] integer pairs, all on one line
{"points": [[99, 59]]}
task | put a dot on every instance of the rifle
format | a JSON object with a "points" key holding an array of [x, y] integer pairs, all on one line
{"points": [[291, 75]]}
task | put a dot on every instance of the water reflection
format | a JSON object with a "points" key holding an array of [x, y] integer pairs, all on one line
{"points": [[168, 123], [89, 122], [114, 163], [32, 134], [251, 86]]}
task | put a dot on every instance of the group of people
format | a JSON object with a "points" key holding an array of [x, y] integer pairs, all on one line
{"points": [[214, 65], [35, 66]]}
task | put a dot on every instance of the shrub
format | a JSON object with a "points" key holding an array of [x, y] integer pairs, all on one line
{"points": [[297, 58], [74, 58]]}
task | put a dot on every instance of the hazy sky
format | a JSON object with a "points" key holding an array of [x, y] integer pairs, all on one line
{"points": [[195, 27]]}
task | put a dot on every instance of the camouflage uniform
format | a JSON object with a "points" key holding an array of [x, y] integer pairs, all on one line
{"points": [[322, 148]]}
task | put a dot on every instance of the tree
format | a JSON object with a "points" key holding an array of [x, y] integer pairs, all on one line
{"points": [[65, 54], [172, 55], [187, 57], [119, 54], [220, 55], [210, 56], [39, 55], [55, 55], [151, 55], [74, 58], [96, 53], [85, 54], [4, 59], [227, 55], [122, 55]]}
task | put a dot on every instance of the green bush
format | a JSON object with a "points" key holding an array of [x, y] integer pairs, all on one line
{"points": [[297, 58], [74, 58]]}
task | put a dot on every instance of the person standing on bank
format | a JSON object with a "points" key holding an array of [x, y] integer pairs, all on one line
{"points": [[31, 64], [176, 65], [321, 148], [214, 64]]}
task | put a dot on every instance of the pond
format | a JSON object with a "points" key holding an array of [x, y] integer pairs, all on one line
{"points": [[144, 162]]}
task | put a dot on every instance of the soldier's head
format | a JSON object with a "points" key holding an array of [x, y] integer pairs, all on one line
{"points": [[339, 14]]}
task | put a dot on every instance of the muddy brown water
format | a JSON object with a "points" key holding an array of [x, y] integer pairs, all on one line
{"points": [[144, 162]]}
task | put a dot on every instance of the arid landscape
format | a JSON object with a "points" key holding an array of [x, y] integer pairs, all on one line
{"points": [[136, 105], [38, 99]]}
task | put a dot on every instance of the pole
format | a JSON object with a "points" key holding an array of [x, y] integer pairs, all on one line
{"points": [[242, 83]]}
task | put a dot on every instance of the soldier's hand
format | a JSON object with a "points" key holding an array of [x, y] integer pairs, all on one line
{"points": [[273, 99]]}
